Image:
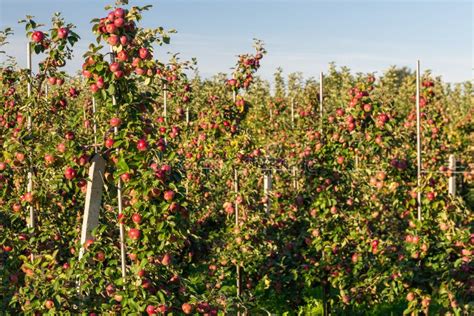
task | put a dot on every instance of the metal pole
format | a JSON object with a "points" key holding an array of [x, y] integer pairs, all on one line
{"points": [[94, 126], [321, 99], [293, 112], [165, 102], [119, 190], [295, 180], [452, 178], [29, 188], [267, 187], [418, 138]]}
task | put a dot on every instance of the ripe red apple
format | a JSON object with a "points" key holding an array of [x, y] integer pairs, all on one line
{"points": [[109, 143], [37, 36], [70, 173], [142, 145], [151, 310], [119, 13], [49, 304], [340, 160], [136, 218], [126, 177], [94, 88], [49, 159], [187, 308], [16, 207], [119, 22], [111, 16], [143, 53], [430, 196], [111, 28], [118, 74], [52, 80], [410, 296], [166, 259], [134, 233], [169, 195], [122, 55], [63, 32], [115, 122], [113, 40], [3, 166], [114, 67]]}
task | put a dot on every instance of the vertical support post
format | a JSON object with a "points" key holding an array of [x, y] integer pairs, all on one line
{"points": [[321, 77], [267, 187], [452, 177], [187, 115], [29, 189], [418, 138], [293, 112], [165, 102], [295, 179], [237, 266], [93, 200], [119, 192], [94, 124]]}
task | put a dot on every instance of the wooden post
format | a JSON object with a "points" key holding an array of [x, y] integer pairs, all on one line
{"points": [[237, 266], [95, 185], [452, 177], [321, 100], [119, 192], [267, 187], [418, 138], [187, 115], [29, 188]]}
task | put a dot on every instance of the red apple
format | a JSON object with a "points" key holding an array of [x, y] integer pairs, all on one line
{"points": [[134, 233], [187, 308], [119, 13], [143, 53], [70, 173], [49, 304], [37, 36], [136, 218], [115, 122], [63, 32], [142, 145]]}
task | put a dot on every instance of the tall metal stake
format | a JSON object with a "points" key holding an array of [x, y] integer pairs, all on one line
{"points": [[165, 102], [321, 100], [29, 188], [267, 187], [119, 191], [418, 138], [293, 112]]}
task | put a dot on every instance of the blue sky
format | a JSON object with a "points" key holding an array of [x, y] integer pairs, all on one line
{"points": [[299, 35]]}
